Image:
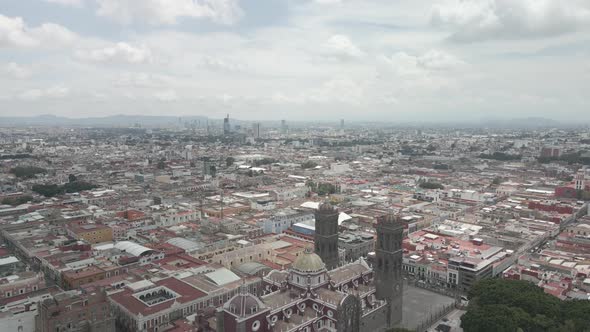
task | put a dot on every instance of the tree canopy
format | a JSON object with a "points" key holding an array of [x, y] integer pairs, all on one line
{"points": [[323, 188], [14, 201], [308, 164], [500, 305], [264, 161], [500, 156], [50, 190], [431, 185], [27, 172]]}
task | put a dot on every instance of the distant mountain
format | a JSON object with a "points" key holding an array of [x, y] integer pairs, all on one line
{"points": [[529, 122], [168, 121], [107, 121]]}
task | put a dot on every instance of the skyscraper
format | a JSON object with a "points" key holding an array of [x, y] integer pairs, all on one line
{"points": [[342, 124], [388, 279], [284, 127], [326, 235], [226, 126], [256, 129]]}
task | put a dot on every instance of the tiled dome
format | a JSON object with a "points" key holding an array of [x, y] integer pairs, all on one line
{"points": [[308, 262]]}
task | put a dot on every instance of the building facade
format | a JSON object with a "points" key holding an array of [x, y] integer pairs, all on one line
{"points": [[75, 311]]}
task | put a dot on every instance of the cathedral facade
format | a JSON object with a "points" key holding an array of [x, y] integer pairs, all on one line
{"points": [[312, 297]]}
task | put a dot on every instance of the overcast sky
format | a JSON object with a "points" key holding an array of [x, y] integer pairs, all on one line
{"points": [[390, 60]]}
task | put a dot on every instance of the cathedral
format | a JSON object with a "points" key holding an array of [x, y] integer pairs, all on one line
{"points": [[316, 294]]}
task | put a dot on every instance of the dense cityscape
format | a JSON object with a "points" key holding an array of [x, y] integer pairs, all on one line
{"points": [[246, 227], [294, 166]]}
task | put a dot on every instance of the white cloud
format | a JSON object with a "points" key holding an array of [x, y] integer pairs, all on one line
{"points": [[17, 71], [342, 45], [219, 64], [438, 60], [166, 95], [52, 92], [167, 12], [15, 33], [143, 80], [405, 64], [118, 53], [328, 2], [317, 62], [72, 3], [53, 34], [477, 20]]}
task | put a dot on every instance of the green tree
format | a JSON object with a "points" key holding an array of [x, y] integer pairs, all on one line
{"points": [[308, 164], [229, 161], [509, 305], [162, 163], [431, 185], [72, 178], [14, 201], [497, 180], [50, 190], [27, 172]]}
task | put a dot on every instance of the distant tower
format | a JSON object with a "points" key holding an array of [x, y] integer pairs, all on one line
{"points": [[388, 279], [342, 124], [581, 179], [256, 129], [226, 127], [326, 235], [284, 126]]}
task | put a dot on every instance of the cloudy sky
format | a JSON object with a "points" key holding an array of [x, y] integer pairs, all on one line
{"points": [[390, 60]]}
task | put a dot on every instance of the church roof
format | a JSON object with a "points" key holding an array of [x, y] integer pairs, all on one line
{"points": [[244, 304], [308, 262]]}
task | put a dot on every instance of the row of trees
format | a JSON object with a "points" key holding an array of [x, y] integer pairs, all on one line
{"points": [[14, 201], [501, 156], [15, 156], [500, 305], [431, 185], [570, 158], [50, 190], [308, 164], [27, 172], [264, 161]]}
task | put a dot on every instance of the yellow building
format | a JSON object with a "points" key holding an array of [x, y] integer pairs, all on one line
{"points": [[91, 233]]}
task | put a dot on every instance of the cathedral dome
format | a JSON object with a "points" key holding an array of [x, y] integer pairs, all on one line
{"points": [[244, 304], [308, 262]]}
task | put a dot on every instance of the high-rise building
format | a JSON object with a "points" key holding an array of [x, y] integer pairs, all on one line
{"points": [[326, 235], [341, 123], [284, 127], [226, 126], [256, 129], [388, 259], [209, 167]]}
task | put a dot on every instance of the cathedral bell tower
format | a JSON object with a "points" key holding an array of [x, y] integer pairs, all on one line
{"points": [[326, 235], [388, 265]]}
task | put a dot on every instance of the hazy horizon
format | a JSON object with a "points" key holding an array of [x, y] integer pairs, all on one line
{"points": [[300, 60]]}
